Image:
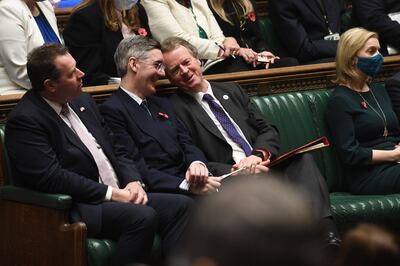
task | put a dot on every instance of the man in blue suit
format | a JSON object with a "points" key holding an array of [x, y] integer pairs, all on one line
{"points": [[147, 127], [57, 142]]}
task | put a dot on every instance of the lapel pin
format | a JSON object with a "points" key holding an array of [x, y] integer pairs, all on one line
{"points": [[225, 97], [82, 109], [163, 115]]}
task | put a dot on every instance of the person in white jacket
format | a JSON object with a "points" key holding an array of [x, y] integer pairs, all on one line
{"points": [[24, 25], [194, 22]]}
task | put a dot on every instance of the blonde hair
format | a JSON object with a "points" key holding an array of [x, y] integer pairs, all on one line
{"points": [[349, 44], [131, 18], [244, 5]]}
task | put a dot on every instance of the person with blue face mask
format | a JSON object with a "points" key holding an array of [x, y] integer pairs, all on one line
{"points": [[94, 31], [364, 128]]}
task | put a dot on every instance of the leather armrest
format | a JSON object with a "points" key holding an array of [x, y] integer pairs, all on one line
{"points": [[28, 196]]}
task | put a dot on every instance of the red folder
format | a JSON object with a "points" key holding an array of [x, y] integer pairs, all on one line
{"points": [[319, 143]]}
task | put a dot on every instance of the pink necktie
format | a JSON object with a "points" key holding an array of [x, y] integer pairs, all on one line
{"points": [[107, 175]]}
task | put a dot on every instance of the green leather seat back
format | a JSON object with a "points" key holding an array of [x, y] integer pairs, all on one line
{"points": [[292, 114], [332, 169]]}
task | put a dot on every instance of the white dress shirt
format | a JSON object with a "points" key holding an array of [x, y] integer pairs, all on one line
{"points": [[237, 151]]}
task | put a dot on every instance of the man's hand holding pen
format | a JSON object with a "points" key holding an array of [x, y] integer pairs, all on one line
{"points": [[251, 165], [200, 181]]}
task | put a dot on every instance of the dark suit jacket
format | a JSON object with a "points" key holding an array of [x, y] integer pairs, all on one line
{"points": [[162, 141], [259, 132], [393, 89], [373, 15], [301, 27], [249, 36], [46, 155], [93, 45]]}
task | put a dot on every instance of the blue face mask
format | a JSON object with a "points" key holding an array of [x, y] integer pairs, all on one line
{"points": [[370, 65]]}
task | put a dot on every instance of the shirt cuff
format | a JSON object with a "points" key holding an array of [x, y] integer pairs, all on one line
{"points": [[200, 162], [108, 194], [262, 153], [184, 185]]}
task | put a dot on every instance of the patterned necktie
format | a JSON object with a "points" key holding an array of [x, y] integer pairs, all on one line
{"points": [[145, 107], [107, 175], [227, 124]]}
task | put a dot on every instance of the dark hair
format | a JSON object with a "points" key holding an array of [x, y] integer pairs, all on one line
{"points": [[368, 245], [173, 43], [40, 65]]}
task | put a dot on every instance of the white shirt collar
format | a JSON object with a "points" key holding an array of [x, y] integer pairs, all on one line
{"points": [[56, 106], [133, 96], [198, 96]]}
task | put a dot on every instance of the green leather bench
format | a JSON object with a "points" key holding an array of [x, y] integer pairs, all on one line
{"points": [[35, 229], [300, 119]]}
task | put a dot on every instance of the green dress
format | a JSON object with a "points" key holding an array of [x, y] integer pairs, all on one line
{"points": [[356, 129]]}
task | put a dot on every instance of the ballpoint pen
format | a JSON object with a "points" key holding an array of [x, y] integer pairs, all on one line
{"points": [[233, 172], [223, 49]]}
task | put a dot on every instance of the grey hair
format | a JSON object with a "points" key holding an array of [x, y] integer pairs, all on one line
{"points": [[135, 46]]}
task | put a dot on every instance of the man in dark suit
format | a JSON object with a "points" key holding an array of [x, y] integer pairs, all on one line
{"points": [[146, 126], [309, 29], [232, 132], [374, 15], [57, 142]]}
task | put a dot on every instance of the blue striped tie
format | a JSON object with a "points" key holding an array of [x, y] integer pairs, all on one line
{"points": [[227, 124]]}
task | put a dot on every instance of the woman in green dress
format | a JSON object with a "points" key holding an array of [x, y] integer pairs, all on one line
{"points": [[364, 128]]}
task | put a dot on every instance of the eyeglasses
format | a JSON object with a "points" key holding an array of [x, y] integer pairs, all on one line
{"points": [[159, 66]]}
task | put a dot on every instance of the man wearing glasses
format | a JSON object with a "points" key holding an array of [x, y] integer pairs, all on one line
{"points": [[146, 126]]}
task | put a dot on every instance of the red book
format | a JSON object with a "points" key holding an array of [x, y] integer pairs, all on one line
{"points": [[319, 143]]}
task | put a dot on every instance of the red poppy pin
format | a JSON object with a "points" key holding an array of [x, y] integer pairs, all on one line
{"points": [[364, 105], [251, 16], [142, 32], [163, 115]]}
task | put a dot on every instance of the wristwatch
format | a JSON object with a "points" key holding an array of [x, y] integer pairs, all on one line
{"points": [[258, 154]]}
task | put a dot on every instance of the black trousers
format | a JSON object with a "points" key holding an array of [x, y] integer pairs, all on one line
{"points": [[303, 173], [134, 226]]}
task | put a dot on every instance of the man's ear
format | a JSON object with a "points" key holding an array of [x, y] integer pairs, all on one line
{"points": [[49, 85], [200, 62], [132, 63]]}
